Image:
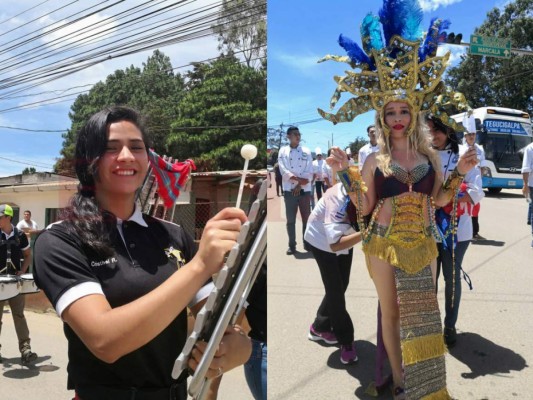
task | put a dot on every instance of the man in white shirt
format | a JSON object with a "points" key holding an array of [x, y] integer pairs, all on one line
{"points": [[320, 174], [470, 140], [296, 167], [27, 225], [527, 175], [369, 148]]}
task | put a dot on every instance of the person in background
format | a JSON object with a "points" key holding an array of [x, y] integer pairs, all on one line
{"points": [[527, 189], [330, 233], [470, 140], [27, 225], [451, 254], [312, 196], [255, 369], [14, 246], [121, 280], [370, 147], [329, 179], [30, 228], [319, 172], [296, 166], [278, 179]]}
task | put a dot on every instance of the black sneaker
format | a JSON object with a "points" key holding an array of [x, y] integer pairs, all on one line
{"points": [[291, 251], [450, 336], [27, 356]]}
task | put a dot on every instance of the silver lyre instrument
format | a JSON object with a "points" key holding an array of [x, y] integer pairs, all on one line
{"points": [[226, 301], [232, 285]]}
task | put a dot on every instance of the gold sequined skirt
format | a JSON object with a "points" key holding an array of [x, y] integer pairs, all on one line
{"points": [[409, 256]]}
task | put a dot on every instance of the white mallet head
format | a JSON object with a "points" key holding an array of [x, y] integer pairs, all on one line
{"points": [[248, 151]]}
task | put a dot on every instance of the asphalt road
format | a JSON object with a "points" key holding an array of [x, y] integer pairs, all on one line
{"points": [[495, 344], [489, 362]]}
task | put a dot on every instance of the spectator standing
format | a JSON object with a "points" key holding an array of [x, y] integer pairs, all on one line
{"points": [[451, 254], [319, 173], [277, 175], [27, 225], [14, 248], [370, 147], [470, 140], [296, 166], [527, 175]]}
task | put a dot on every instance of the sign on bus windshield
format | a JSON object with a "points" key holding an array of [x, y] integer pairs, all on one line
{"points": [[498, 126]]}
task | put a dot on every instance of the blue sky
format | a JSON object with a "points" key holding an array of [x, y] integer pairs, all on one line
{"points": [[301, 32], [21, 149]]}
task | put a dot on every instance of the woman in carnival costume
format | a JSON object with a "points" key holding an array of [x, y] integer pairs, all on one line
{"points": [[399, 187]]}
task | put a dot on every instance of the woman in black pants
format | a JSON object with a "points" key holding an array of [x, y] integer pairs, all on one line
{"points": [[331, 234]]}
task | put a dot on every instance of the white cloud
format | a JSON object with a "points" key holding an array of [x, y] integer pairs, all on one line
{"points": [[432, 5], [303, 63], [455, 53], [78, 32]]}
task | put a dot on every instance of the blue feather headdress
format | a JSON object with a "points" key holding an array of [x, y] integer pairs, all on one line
{"points": [[399, 64]]}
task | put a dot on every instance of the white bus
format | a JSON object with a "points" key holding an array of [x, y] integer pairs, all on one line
{"points": [[503, 133]]}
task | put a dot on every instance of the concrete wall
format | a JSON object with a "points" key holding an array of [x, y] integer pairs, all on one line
{"points": [[36, 200]]}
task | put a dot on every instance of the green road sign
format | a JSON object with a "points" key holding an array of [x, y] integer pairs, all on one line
{"points": [[490, 46]]}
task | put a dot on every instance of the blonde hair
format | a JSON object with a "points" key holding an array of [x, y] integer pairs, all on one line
{"points": [[419, 141]]}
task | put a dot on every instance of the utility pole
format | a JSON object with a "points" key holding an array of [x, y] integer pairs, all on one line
{"points": [[280, 133]]}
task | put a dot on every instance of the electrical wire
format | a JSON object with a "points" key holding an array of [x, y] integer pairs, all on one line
{"points": [[31, 130], [131, 47], [25, 162], [23, 12]]}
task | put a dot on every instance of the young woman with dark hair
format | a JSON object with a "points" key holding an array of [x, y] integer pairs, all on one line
{"points": [[452, 248], [121, 280]]}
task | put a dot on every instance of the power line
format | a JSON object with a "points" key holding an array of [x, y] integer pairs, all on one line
{"points": [[25, 11], [47, 101], [38, 18], [162, 38], [32, 130], [32, 163]]}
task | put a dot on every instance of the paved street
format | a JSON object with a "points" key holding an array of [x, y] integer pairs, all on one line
{"points": [[495, 345], [47, 379], [489, 362]]}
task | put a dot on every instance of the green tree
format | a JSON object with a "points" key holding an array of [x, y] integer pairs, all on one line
{"points": [[490, 81], [29, 171], [356, 145], [241, 27], [223, 109], [276, 138], [154, 90]]}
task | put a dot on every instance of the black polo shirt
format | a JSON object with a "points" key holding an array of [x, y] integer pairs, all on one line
{"points": [[256, 312], [18, 242], [142, 261]]}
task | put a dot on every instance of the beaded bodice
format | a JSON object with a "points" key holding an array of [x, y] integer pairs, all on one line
{"points": [[420, 179]]}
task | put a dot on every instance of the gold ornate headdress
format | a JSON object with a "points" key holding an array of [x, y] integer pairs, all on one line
{"points": [[407, 70]]}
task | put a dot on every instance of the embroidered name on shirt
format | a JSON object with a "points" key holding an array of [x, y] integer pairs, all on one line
{"points": [[104, 262]]}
